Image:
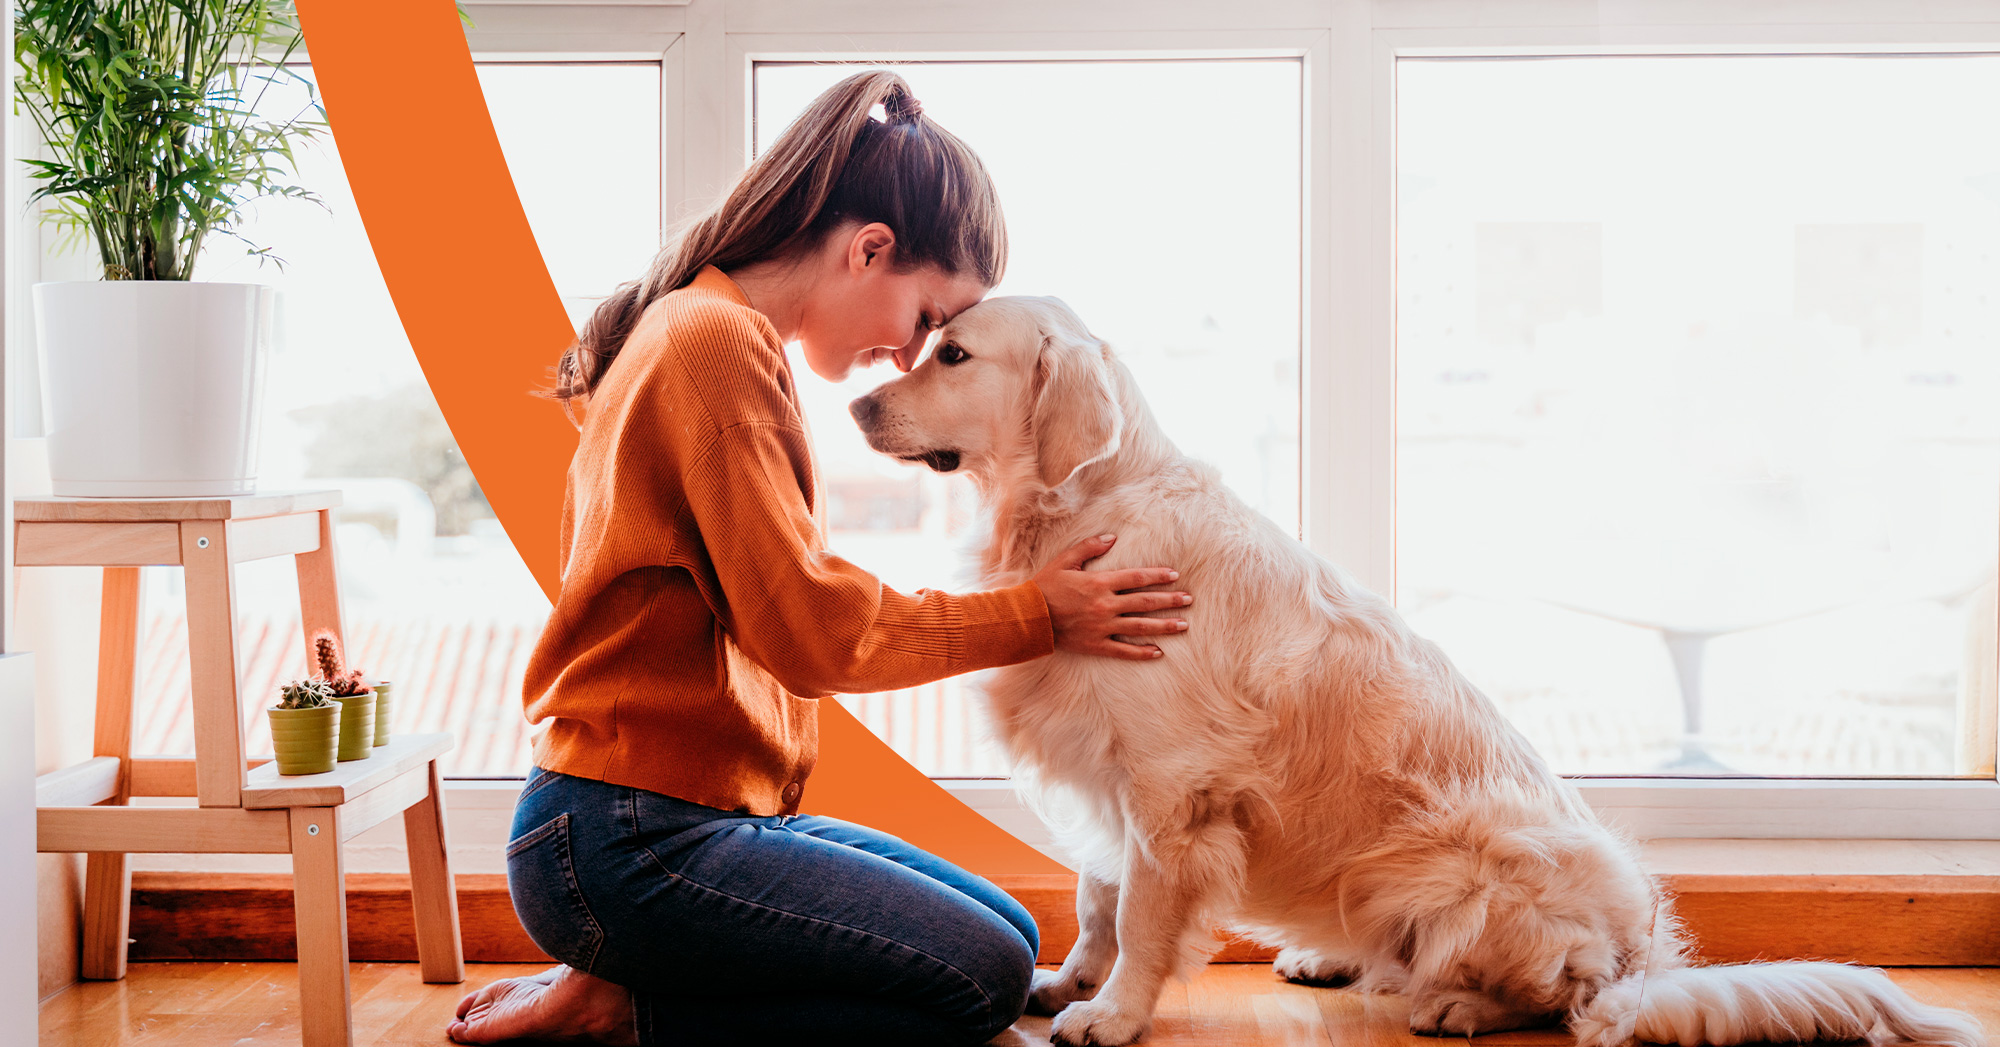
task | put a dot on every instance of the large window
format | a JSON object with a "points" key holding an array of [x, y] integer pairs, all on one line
{"points": [[1698, 404], [1161, 201], [436, 597], [1651, 376]]}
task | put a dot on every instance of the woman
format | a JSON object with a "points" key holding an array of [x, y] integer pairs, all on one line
{"points": [[657, 850]]}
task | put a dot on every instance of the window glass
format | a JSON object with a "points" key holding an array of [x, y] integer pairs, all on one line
{"points": [[1161, 201], [436, 599], [1698, 429]]}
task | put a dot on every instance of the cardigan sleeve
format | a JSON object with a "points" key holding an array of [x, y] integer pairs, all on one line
{"points": [[816, 622]]}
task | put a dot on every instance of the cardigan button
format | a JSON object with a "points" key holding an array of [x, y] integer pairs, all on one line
{"points": [[791, 794]]}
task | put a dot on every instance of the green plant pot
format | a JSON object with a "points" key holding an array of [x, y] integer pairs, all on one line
{"points": [[357, 726], [305, 739], [382, 712]]}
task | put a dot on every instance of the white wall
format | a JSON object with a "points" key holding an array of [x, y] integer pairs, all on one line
{"points": [[20, 966], [18, 963]]}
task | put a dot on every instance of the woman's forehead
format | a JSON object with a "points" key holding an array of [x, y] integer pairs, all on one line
{"points": [[954, 293]]}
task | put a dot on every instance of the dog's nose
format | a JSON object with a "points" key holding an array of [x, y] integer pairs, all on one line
{"points": [[864, 410]]}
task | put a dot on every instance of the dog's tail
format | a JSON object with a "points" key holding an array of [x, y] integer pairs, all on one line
{"points": [[1766, 1002]]}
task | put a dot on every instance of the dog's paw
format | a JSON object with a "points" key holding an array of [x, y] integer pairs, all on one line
{"points": [[1466, 1013], [1095, 1023], [1446, 1014], [1051, 991], [1308, 967]]}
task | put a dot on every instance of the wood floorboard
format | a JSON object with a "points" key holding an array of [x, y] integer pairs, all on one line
{"points": [[1229, 1005]]}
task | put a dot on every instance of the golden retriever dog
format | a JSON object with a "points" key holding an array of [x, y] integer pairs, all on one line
{"points": [[1300, 767]]}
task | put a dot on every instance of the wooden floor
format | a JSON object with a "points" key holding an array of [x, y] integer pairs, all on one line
{"points": [[256, 1004]]}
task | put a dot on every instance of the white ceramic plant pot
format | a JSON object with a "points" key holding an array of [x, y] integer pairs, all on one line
{"points": [[154, 386]]}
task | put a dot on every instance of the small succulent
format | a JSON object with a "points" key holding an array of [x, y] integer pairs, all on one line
{"points": [[304, 694], [333, 670]]}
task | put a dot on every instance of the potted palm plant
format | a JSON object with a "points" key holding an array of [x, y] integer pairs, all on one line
{"points": [[148, 109]]}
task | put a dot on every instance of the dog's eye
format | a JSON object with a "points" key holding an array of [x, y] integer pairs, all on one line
{"points": [[949, 353]]}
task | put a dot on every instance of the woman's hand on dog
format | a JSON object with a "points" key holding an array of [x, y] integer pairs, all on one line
{"points": [[1088, 608]]}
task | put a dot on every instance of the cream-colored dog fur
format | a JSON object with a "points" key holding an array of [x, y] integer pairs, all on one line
{"points": [[1300, 766]]}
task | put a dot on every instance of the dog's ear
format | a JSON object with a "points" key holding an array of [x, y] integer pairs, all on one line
{"points": [[1077, 418]]}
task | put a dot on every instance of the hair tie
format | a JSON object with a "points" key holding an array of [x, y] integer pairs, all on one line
{"points": [[903, 108]]}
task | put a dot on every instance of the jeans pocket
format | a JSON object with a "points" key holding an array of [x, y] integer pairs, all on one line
{"points": [[541, 878]]}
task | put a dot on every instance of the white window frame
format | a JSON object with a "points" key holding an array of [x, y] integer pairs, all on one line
{"points": [[1960, 809], [1348, 54], [1348, 50]]}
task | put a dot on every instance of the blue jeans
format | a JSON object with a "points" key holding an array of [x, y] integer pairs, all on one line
{"points": [[734, 929]]}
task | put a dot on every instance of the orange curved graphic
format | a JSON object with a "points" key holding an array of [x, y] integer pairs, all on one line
{"points": [[469, 283]]}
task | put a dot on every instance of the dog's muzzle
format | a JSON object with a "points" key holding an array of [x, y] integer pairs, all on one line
{"points": [[867, 413], [865, 410]]}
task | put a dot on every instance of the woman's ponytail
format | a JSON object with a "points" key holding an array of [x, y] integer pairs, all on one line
{"points": [[835, 163]]}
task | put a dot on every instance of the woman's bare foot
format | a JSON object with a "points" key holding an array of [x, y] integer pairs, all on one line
{"points": [[561, 1003]]}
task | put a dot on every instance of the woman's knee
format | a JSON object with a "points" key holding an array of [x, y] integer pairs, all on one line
{"points": [[1017, 915], [1010, 1000], [903, 853], [1003, 968]]}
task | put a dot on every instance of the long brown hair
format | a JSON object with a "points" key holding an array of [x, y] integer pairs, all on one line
{"points": [[836, 163]]}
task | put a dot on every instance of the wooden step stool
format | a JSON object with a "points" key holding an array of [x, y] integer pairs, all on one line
{"points": [[239, 809]]}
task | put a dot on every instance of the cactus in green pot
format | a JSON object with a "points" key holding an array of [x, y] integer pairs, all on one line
{"points": [[356, 698], [305, 727], [305, 694]]}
